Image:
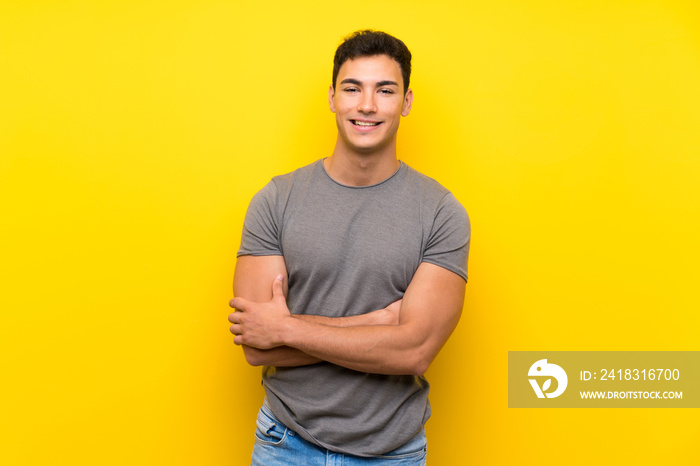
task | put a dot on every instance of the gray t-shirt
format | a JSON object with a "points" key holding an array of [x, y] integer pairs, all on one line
{"points": [[348, 251]]}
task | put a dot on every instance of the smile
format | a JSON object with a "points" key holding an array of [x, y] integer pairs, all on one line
{"points": [[364, 123]]}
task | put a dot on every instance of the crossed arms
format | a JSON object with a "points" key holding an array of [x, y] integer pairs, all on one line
{"points": [[402, 338]]}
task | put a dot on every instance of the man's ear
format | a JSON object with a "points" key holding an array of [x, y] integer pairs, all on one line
{"points": [[331, 95], [407, 102]]}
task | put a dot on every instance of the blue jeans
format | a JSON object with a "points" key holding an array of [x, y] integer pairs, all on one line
{"points": [[276, 445]]}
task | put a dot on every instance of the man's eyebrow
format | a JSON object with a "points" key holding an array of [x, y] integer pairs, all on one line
{"points": [[351, 81], [357, 82]]}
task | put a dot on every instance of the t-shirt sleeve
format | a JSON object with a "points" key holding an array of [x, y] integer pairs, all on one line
{"points": [[448, 243], [261, 226]]}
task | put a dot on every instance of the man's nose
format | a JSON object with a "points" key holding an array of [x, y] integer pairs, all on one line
{"points": [[367, 103]]}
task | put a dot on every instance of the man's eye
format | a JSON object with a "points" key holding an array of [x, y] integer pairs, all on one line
{"points": [[351, 89], [386, 91]]}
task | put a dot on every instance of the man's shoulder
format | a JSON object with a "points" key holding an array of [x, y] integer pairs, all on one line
{"points": [[282, 188], [281, 185], [297, 174], [428, 186]]}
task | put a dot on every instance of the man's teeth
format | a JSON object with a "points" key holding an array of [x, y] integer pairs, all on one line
{"points": [[365, 123]]}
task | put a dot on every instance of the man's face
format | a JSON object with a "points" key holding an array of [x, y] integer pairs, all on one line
{"points": [[368, 102]]}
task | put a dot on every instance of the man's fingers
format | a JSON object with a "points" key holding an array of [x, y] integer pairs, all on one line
{"points": [[235, 329], [238, 303], [234, 317], [278, 287]]}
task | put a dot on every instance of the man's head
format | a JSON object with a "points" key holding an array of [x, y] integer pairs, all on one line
{"points": [[368, 43]]}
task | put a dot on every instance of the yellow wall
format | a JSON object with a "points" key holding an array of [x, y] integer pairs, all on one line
{"points": [[133, 134]]}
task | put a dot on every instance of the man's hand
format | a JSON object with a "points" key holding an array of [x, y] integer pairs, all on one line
{"points": [[260, 325]]}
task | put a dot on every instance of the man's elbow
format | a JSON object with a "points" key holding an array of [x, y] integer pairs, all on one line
{"points": [[419, 369], [419, 362], [253, 356]]}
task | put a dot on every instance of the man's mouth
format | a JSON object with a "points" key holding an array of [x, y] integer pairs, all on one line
{"points": [[364, 123]]}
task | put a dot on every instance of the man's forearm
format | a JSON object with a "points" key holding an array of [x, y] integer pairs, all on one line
{"points": [[285, 356], [377, 349], [386, 316], [282, 356]]}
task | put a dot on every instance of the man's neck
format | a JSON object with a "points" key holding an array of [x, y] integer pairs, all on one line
{"points": [[358, 169]]}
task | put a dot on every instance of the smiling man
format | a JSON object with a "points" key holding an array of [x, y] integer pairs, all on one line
{"points": [[350, 279]]}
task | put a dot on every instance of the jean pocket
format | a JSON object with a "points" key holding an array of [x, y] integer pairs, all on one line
{"points": [[269, 431], [415, 449]]}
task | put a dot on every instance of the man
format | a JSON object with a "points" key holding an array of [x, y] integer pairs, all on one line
{"points": [[350, 279]]}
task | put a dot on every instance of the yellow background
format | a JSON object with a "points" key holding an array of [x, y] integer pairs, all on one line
{"points": [[134, 133]]}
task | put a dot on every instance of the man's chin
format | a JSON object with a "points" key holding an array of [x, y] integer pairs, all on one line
{"points": [[367, 149]]}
